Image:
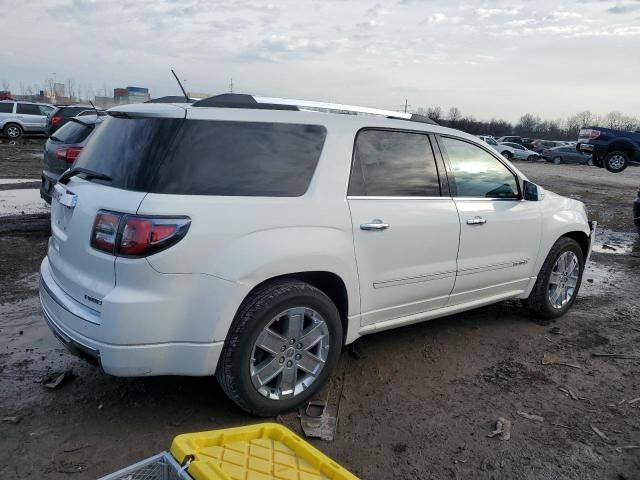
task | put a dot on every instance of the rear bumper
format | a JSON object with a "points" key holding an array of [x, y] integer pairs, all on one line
{"points": [[75, 326], [48, 181]]}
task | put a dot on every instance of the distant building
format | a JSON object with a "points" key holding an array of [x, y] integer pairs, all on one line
{"points": [[130, 95]]}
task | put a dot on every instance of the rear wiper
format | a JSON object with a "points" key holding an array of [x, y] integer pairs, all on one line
{"points": [[64, 178], [53, 137]]}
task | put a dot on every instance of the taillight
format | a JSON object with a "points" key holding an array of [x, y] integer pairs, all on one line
{"points": [[55, 120], [68, 155], [105, 231], [136, 235], [594, 134]]}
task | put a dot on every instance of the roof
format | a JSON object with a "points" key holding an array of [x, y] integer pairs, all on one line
{"points": [[237, 100], [171, 99]]}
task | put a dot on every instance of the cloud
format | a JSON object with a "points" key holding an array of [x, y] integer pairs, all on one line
{"points": [[354, 51], [493, 12], [622, 8]]}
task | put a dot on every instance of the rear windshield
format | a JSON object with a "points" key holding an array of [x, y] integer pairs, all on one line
{"points": [[72, 132], [203, 157], [69, 111]]}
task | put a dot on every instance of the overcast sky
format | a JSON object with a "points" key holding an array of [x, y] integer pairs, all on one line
{"points": [[491, 59]]}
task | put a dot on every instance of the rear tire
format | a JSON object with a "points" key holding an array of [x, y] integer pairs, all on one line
{"points": [[239, 365], [557, 160], [590, 163], [13, 131], [616, 161], [541, 300]]}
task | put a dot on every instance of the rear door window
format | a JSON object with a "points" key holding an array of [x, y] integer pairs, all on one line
{"points": [[477, 173], [6, 107], [202, 157], [28, 109], [393, 163]]}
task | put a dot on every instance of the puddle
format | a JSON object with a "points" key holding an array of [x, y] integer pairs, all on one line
{"points": [[598, 277], [608, 241]]}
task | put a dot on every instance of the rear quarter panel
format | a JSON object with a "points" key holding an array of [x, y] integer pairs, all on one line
{"points": [[248, 240]]}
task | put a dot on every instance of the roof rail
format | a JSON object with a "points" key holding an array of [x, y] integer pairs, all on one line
{"points": [[236, 100]]}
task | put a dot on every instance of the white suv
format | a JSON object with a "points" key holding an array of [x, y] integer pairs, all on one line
{"points": [[252, 238]]}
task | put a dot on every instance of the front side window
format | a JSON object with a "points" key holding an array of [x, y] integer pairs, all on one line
{"points": [[394, 164], [28, 109], [477, 173]]}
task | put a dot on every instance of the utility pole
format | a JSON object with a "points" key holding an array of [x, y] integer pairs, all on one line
{"points": [[231, 85], [405, 105]]}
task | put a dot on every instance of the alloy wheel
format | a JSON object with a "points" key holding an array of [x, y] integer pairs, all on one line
{"points": [[563, 280], [289, 353], [13, 132], [616, 162]]}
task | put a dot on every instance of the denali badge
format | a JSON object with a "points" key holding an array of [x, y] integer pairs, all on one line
{"points": [[94, 300]]}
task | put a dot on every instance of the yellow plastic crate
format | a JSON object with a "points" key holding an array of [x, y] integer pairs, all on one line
{"points": [[265, 451]]}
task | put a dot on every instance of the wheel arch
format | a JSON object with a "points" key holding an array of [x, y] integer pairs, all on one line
{"points": [[13, 122], [621, 145], [582, 239], [329, 283]]}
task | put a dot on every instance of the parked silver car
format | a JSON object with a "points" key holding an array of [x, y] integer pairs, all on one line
{"points": [[18, 118], [565, 154]]}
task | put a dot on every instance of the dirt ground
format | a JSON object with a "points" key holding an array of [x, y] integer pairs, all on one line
{"points": [[416, 403]]}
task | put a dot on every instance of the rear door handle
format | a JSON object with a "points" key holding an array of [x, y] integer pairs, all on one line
{"points": [[374, 225], [476, 221]]}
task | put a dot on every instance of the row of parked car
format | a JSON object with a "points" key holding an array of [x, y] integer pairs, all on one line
{"points": [[514, 147], [19, 118]]}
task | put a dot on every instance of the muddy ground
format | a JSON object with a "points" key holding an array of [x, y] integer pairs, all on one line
{"points": [[417, 402]]}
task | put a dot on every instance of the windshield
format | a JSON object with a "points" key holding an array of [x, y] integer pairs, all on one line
{"points": [[198, 157]]}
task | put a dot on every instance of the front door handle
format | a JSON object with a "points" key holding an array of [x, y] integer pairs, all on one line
{"points": [[374, 225], [476, 221]]}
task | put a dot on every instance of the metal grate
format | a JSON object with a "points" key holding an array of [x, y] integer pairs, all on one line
{"points": [[159, 467]]}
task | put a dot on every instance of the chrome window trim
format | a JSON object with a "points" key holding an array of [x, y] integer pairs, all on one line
{"points": [[465, 199]]}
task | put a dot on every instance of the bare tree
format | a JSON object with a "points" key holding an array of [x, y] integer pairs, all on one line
{"points": [[434, 113], [6, 85], [454, 115], [70, 89]]}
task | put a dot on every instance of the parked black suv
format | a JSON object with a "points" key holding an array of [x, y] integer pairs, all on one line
{"points": [[63, 114], [62, 149]]}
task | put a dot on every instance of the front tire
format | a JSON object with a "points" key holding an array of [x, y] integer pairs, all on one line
{"points": [[558, 281], [616, 161], [557, 160], [281, 348], [507, 155], [532, 158], [13, 131]]}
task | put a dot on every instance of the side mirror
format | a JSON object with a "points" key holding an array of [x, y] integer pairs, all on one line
{"points": [[530, 191]]}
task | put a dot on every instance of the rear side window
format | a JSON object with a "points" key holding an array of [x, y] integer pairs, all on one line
{"points": [[6, 107], [198, 157], [28, 109], [73, 132], [393, 163], [477, 173]]}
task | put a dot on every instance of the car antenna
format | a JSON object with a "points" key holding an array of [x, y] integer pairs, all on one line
{"points": [[94, 107], [181, 87]]}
